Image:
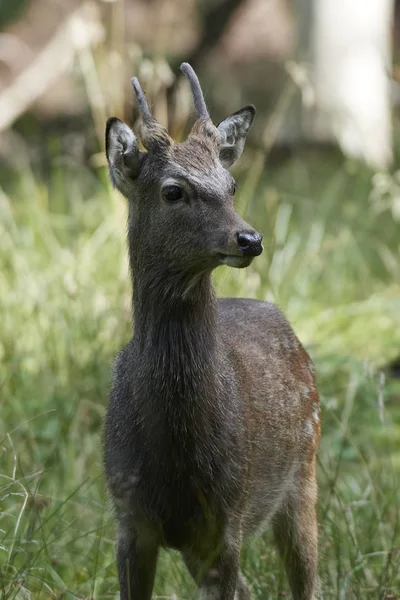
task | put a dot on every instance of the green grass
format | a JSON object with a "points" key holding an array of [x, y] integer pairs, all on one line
{"points": [[331, 261]]}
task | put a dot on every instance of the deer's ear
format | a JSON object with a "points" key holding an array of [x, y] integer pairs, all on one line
{"points": [[123, 155], [234, 130]]}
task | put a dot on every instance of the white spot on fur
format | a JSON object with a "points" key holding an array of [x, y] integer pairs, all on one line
{"points": [[305, 390], [309, 429], [316, 413]]}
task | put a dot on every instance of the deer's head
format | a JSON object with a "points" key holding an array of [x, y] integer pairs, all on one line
{"points": [[181, 194]]}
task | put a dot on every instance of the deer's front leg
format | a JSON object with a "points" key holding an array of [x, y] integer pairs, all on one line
{"points": [[137, 561]]}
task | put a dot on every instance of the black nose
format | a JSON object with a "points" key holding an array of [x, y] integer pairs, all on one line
{"points": [[250, 243]]}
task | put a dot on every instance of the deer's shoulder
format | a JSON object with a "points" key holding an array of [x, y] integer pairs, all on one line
{"points": [[259, 330], [257, 316]]}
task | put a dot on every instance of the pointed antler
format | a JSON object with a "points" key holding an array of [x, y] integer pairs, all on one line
{"points": [[153, 135], [198, 98], [141, 98]]}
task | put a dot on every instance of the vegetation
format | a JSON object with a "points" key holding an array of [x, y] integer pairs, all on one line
{"points": [[331, 262]]}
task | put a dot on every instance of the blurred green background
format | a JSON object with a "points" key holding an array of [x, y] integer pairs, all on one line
{"points": [[330, 222]]}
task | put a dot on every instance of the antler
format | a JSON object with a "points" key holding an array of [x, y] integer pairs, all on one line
{"points": [[198, 98], [154, 136], [141, 98]]}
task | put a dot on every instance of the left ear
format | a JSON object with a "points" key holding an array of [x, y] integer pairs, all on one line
{"points": [[123, 155], [234, 130]]}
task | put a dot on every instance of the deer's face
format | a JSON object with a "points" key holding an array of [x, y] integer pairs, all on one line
{"points": [[181, 195]]}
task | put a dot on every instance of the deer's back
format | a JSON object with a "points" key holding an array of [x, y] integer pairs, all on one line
{"points": [[281, 405]]}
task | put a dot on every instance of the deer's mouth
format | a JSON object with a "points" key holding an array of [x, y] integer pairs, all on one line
{"points": [[233, 260]]}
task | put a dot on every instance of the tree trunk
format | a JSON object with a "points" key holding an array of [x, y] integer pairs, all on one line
{"points": [[350, 47]]}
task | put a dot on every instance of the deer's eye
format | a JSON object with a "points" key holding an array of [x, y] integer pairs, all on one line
{"points": [[234, 186], [172, 193]]}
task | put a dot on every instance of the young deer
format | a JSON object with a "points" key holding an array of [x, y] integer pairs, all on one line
{"points": [[213, 421]]}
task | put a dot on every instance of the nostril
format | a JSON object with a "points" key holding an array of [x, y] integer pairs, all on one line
{"points": [[244, 239], [250, 243]]}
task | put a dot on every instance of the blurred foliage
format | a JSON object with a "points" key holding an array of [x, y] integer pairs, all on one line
{"points": [[11, 10]]}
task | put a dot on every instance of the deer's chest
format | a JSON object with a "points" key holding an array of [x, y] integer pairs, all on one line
{"points": [[177, 485]]}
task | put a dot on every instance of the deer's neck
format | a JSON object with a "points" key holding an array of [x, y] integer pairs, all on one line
{"points": [[175, 332]]}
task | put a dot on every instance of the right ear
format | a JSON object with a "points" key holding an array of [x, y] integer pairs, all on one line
{"points": [[234, 130], [123, 155]]}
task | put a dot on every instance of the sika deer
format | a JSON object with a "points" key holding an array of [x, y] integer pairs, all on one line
{"points": [[213, 421]]}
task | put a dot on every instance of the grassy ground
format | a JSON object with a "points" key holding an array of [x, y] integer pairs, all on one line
{"points": [[331, 262]]}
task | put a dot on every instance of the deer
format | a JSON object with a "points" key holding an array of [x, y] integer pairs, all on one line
{"points": [[213, 420]]}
